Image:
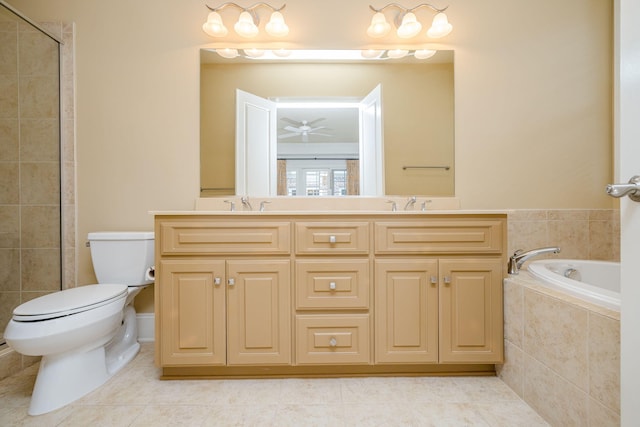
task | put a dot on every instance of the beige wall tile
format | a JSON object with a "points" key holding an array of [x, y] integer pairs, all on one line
{"points": [[555, 333], [40, 183], [8, 52], [38, 54], [512, 371], [40, 269], [9, 145], [9, 271], [602, 240], [604, 360], [9, 226], [514, 313], [555, 399], [599, 416], [9, 183], [39, 97], [572, 236], [39, 140], [40, 226], [10, 363], [8, 301], [8, 96]]}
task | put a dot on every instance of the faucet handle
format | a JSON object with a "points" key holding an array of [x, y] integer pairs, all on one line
{"points": [[232, 204], [262, 203], [394, 205]]}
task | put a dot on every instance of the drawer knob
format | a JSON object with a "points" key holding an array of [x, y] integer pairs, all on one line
{"points": [[447, 280], [217, 281], [433, 280], [332, 286], [332, 239], [231, 282], [333, 342]]}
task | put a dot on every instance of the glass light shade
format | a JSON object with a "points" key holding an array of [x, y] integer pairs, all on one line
{"points": [[397, 53], [424, 53], [214, 26], [245, 27], [227, 53], [254, 53], [379, 26], [276, 26], [371, 53], [440, 26], [410, 26], [282, 53]]}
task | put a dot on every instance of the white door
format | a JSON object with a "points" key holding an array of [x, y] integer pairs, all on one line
{"points": [[627, 141], [256, 145], [371, 150]]}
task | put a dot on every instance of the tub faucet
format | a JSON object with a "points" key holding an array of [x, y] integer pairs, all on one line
{"points": [[412, 200], [519, 257], [245, 202]]}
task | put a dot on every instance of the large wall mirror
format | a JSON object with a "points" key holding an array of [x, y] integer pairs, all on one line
{"points": [[325, 134]]}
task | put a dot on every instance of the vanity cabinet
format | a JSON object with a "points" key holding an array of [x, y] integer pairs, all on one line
{"points": [[256, 294]]}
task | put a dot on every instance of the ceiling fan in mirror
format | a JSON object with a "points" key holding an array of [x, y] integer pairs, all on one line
{"points": [[302, 128]]}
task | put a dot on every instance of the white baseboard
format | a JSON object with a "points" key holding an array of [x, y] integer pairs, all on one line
{"points": [[146, 327]]}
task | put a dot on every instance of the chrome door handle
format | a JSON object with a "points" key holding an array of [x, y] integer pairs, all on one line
{"points": [[632, 189]]}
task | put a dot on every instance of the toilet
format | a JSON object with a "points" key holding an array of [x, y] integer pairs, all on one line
{"points": [[85, 334]]}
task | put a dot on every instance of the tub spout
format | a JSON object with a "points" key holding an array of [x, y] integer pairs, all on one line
{"points": [[519, 257]]}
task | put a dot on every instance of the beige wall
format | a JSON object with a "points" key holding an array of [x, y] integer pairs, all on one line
{"points": [[532, 95], [417, 114]]}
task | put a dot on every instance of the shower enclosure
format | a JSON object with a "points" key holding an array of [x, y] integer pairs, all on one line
{"points": [[31, 200]]}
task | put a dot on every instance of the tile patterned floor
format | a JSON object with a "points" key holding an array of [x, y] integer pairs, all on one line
{"points": [[135, 397]]}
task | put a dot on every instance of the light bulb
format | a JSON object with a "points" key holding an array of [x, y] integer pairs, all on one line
{"points": [[440, 26], [282, 53], [227, 53], [254, 53], [424, 53], [214, 26], [276, 25], [371, 53], [410, 26], [245, 27], [379, 26], [397, 53]]}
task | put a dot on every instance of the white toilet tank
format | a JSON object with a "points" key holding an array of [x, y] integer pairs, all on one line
{"points": [[122, 257]]}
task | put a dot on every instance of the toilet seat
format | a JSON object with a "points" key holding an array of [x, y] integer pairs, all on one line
{"points": [[68, 302]]}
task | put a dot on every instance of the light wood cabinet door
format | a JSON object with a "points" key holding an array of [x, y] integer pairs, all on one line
{"points": [[192, 324], [471, 312], [259, 312], [406, 311]]}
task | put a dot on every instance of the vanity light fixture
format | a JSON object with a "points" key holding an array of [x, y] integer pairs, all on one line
{"points": [[407, 23], [247, 24], [310, 55]]}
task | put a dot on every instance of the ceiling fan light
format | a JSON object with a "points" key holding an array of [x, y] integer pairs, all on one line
{"points": [[371, 53], [379, 26], [424, 53], [440, 26], [214, 26], [227, 52], [410, 26], [245, 27], [276, 26], [397, 53]]}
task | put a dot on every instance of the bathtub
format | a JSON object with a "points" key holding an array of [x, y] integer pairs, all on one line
{"points": [[597, 282]]}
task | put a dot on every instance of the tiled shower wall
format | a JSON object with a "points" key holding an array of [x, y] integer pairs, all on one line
{"points": [[31, 168]]}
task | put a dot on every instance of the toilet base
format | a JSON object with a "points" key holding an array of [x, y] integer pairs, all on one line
{"points": [[63, 378]]}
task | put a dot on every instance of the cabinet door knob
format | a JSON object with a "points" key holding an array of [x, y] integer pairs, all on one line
{"points": [[231, 282], [333, 342], [332, 239], [217, 281], [332, 286], [433, 280], [447, 280]]}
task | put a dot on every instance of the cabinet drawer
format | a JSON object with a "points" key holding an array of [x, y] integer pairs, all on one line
{"points": [[224, 237], [332, 284], [332, 238], [446, 236], [332, 339]]}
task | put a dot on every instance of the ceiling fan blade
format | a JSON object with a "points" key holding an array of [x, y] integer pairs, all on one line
{"points": [[292, 129], [288, 135], [293, 122], [320, 134], [315, 129], [315, 121]]}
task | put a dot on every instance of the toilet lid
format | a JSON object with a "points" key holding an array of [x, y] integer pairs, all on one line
{"points": [[69, 301]]}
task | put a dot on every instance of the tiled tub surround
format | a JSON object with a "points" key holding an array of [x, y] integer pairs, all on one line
{"points": [[562, 355]]}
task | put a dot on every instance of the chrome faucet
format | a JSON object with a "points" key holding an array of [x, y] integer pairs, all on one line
{"points": [[232, 205], [519, 257], [245, 202], [394, 206], [412, 200], [262, 205]]}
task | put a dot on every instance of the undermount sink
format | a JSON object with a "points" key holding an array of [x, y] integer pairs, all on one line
{"points": [[327, 204]]}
